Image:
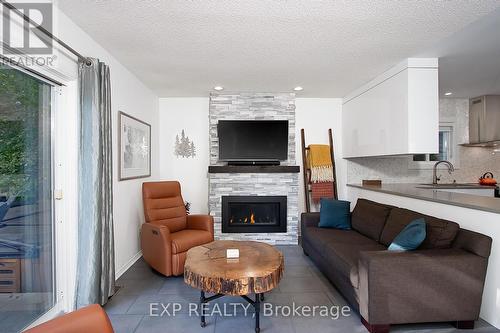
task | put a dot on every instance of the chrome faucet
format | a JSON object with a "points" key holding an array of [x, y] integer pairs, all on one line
{"points": [[435, 178]]}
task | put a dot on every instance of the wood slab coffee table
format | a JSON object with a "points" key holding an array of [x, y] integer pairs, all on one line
{"points": [[258, 270]]}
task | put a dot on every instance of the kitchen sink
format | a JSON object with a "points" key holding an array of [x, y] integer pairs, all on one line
{"points": [[467, 188]]}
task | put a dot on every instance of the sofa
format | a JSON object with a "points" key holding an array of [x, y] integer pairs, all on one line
{"points": [[441, 281]]}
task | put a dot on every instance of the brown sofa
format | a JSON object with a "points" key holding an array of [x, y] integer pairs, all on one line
{"points": [[90, 319], [441, 281], [169, 232]]}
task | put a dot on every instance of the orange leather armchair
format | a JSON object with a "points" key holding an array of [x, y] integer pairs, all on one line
{"points": [[168, 232], [90, 319]]}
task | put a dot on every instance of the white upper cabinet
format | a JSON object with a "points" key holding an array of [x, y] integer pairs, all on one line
{"points": [[396, 113]]}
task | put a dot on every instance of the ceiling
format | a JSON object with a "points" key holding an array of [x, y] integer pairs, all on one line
{"points": [[469, 60], [185, 48]]}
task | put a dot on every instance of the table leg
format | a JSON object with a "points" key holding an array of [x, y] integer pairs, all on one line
{"points": [[202, 307], [257, 312]]}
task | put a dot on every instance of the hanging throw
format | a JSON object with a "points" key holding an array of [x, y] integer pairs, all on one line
{"points": [[320, 163]]}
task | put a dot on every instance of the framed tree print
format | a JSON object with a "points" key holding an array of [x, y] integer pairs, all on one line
{"points": [[135, 147]]}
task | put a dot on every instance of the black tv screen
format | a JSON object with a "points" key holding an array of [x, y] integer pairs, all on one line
{"points": [[253, 140]]}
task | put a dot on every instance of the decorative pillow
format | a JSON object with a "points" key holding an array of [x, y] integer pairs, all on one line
{"points": [[410, 237], [335, 214]]}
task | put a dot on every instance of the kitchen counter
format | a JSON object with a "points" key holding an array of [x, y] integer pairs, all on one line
{"points": [[418, 191]]}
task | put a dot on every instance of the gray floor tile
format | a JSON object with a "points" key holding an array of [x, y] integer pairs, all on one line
{"points": [[175, 325], [141, 287], [326, 325], [124, 323], [302, 284], [145, 304], [296, 261], [247, 324], [298, 271], [120, 303], [176, 285]]}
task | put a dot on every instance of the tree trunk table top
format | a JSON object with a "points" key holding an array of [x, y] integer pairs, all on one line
{"points": [[258, 269]]}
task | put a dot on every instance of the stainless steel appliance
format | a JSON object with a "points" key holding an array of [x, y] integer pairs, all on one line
{"points": [[484, 121]]}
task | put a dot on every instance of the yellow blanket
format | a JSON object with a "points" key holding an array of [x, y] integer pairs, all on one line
{"points": [[320, 163]]}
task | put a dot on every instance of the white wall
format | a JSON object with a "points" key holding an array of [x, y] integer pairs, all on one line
{"points": [[190, 115], [130, 95], [315, 115]]}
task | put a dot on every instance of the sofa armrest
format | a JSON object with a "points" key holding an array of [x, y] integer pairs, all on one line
{"points": [[91, 318], [156, 245], [201, 222], [420, 286], [309, 219]]}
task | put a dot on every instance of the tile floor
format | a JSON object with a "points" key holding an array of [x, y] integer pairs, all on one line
{"points": [[303, 284]]}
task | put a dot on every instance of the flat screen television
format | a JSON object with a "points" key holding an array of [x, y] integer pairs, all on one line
{"points": [[253, 140]]}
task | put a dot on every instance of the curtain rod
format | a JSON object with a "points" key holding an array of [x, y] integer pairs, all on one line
{"points": [[45, 31]]}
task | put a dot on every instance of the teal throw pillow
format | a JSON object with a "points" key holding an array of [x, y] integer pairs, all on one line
{"points": [[410, 237], [335, 214]]}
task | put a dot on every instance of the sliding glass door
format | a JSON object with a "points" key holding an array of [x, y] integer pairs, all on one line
{"points": [[27, 282]]}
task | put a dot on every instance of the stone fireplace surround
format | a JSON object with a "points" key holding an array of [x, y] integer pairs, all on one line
{"points": [[253, 106]]}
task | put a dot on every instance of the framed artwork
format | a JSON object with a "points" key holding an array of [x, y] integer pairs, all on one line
{"points": [[135, 147]]}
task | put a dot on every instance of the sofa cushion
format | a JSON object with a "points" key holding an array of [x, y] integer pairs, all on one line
{"points": [[369, 217], [335, 214], [185, 239], [340, 249], [343, 251], [319, 238], [440, 233]]}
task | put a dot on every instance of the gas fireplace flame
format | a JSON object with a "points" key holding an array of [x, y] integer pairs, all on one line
{"points": [[245, 219]]}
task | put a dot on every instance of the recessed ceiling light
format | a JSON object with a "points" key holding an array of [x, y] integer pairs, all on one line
{"points": [[299, 88], [218, 88], [448, 93]]}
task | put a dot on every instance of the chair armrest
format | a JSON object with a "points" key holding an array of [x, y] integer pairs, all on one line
{"points": [[201, 222], [420, 286], [88, 319], [156, 245]]}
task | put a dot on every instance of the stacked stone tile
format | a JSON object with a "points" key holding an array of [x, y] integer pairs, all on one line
{"points": [[254, 106]]}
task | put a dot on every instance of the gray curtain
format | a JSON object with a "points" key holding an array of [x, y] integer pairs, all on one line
{"points": [[96, 270]]}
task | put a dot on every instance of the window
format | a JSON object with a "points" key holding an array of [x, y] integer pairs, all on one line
{"points": [[27, 284], [446, 150]]}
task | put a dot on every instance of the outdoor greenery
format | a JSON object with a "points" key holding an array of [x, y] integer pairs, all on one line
{"points": [[19, 107]]}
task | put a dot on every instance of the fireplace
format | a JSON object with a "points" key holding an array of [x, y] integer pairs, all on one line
{"points": [[253, 214]]}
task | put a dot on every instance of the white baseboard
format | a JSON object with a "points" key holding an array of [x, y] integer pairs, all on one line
{"points": [[129, 264]]}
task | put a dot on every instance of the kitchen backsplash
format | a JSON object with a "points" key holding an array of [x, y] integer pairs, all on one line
{"points": [[471, 163]]}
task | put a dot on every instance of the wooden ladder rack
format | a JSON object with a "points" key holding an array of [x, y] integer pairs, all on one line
{"points": [[307, 171]]}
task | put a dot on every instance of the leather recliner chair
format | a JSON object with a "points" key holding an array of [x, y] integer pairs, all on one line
{"points": [[169, 232], [90, 319]]}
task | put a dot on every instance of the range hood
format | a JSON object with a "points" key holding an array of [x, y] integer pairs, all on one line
{"points": [[484, 121]]}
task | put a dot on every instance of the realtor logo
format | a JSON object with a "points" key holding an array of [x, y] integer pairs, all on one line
{"points": [[23, 37]]}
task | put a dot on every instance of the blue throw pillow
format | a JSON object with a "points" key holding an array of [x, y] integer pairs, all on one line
{"points": [[335, 214], [410, 237]]}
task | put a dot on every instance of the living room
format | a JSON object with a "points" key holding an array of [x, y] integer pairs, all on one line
{"points": [[274, 166]]}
